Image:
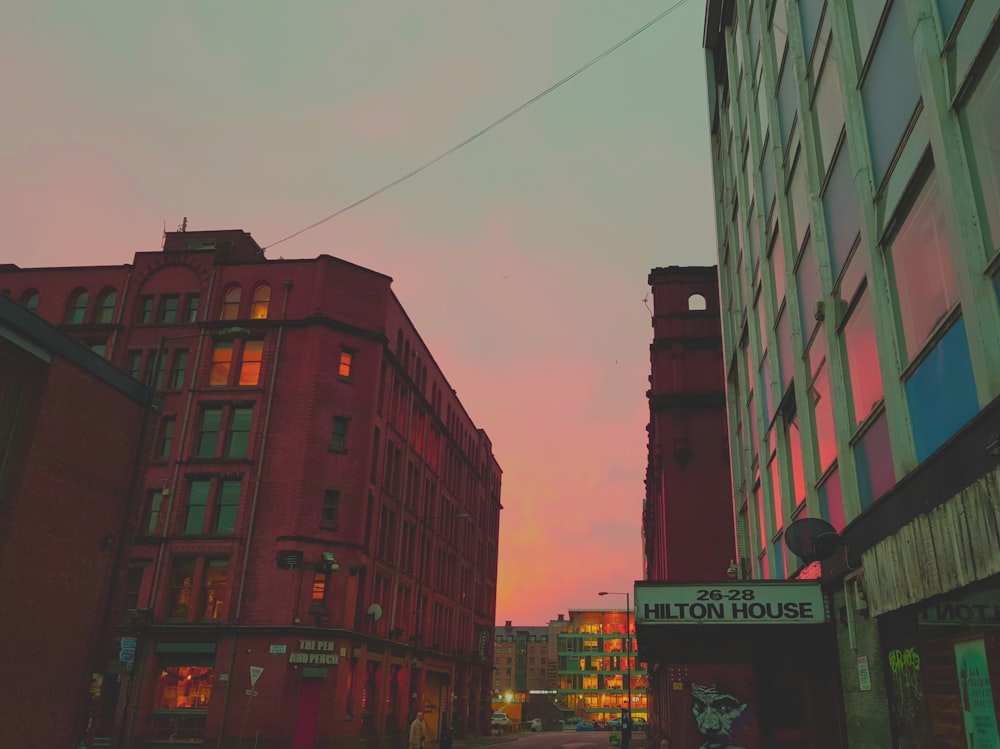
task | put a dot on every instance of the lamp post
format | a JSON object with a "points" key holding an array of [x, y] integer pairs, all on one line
{"points": [[626, 730]]}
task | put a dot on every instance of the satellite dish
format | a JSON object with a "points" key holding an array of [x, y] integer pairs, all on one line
{"points": [[375, 611], [811, 539]]}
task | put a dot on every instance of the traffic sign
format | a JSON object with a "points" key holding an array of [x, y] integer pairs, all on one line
{"points": [[255, 672], [251, 693]]}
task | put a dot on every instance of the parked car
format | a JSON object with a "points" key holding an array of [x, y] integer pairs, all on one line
{"points": [[501, 722], [585, 725], [615, 724], [535, 725]]}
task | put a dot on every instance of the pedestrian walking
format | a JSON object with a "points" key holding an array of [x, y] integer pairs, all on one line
{"points": [[418, 732]]}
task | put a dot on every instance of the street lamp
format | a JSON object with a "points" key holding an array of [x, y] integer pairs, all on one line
{"points": [[628, 650]]}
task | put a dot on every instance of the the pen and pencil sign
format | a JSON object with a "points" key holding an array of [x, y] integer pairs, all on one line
{"points": [[739, 603]]}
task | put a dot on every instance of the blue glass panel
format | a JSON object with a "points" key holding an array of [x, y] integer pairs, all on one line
{"points": [[890, 91], [778, 558], [949, 10], [873, 458], [942, 392], [840, 205], [811, 11]]}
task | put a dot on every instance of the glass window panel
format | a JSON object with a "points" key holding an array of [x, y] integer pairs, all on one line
{"points": [[766, 391], [769, 184], [169, 305], [106, 307], [753, 234], [155, 503], [819, 395], [339, 438], [950, 10], [77, 311], [261, 301], [331, 507], [765, 570], [197, 506], [229, 503], [761, 517], [853, 274], [776, 493], [866, 17], [222, 360], [191, 308], [179, 369], [981, 116], [238, 440], [253, 354], [829, 107], [811, 11], [798, 470], [807, 279], [208, 432], [842, 219], [214, 588], [146, 310], [862, 359], [346, 362], [831, 501], [947, 369], [181, 581], [166, 441], [788, 92], [761, 311], [231, 304], [778, 557], [802, 213], [778, 268], [890, 91], [779, 27], [751, 409], [873, 457], [785, 351], [923, 269]]}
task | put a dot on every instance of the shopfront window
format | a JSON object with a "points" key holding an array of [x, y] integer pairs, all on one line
{"points": [[183, 695]]}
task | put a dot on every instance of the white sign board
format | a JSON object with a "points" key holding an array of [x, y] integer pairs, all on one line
{"points": [[255, 672], [864, 674], [776, 602]]}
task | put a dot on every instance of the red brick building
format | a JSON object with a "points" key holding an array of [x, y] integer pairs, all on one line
{"points": [[319, 505], [71, 436], [688, 525]]}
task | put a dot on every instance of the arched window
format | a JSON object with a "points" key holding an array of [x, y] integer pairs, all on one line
{"points": [[106, 306], [697, 302], [76, 312], [30, 299], [231, 304], [261, 301]]}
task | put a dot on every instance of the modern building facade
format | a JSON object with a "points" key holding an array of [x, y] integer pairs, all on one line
{"points": [[857, 185], [316, 557], [73, 433], [594, 667]]}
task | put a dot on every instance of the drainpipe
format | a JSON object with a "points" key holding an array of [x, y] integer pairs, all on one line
{"points": [[253, 502]]}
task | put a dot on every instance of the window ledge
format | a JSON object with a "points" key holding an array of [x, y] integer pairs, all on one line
{"points": [[341, 450]]}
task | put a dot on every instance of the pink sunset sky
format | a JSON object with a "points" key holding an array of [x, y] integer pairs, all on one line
{"points": [[522, 258]]}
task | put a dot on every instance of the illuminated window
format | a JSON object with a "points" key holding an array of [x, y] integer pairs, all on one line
{"points": [[862, 358], [106, 306], [253, 353], [222, 359], [181, 582], [231, 304], [318, 593], [184, 688], [77, 309], [214, 587], [346, 362], [261, 301]]}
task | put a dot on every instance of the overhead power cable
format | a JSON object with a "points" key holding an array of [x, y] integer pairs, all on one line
{"points": [[482, 132]]}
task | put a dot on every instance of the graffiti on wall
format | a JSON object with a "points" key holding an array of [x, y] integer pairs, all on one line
{"points": [[717, 715]]}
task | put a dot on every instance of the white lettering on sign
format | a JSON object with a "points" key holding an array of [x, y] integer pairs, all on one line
{"points": [[321, 659], [739, 603], [324, 645]]}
